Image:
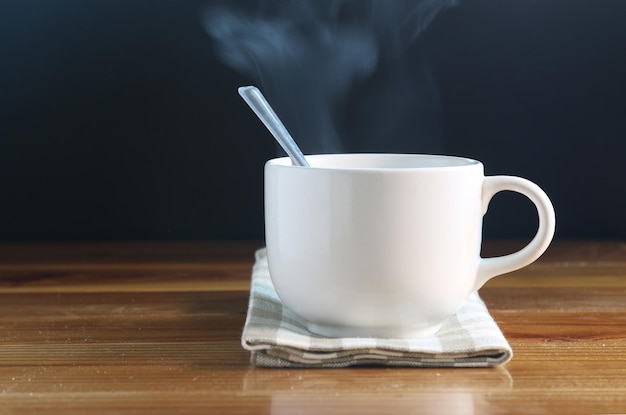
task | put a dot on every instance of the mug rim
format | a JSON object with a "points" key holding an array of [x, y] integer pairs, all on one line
{"points": [[444, 162]]}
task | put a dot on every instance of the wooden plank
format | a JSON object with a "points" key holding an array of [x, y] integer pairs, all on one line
{"points": [[155, 328]]}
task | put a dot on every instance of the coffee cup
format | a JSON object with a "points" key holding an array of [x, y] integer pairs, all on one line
{"points": [[385, 245]]}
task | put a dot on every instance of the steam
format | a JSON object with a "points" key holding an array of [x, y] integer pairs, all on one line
{"points": [[335, 71]]}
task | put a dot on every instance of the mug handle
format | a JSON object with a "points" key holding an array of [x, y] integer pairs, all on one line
{"points": [[491, 267]]}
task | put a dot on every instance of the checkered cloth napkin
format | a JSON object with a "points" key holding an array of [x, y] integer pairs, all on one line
{"points": [[276, 337]]}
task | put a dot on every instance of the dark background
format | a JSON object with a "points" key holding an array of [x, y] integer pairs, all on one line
{"points": [[118, 122]]}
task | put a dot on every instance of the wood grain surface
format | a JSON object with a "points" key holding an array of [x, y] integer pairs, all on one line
{"points": [[130, 328]]}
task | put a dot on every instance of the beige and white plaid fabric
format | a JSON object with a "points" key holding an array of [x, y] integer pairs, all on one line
{"points": [[277, 337]]}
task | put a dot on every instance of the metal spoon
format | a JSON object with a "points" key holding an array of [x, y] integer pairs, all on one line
{"points": [[255, 99]]}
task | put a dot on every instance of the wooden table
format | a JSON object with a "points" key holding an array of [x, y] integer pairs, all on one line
{"points": [[155, 328]]}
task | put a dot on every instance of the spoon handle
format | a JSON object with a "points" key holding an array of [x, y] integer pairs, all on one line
{"points": [[255, 99]]}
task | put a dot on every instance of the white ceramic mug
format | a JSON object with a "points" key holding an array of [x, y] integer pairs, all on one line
{"points": [[385, 245]]}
